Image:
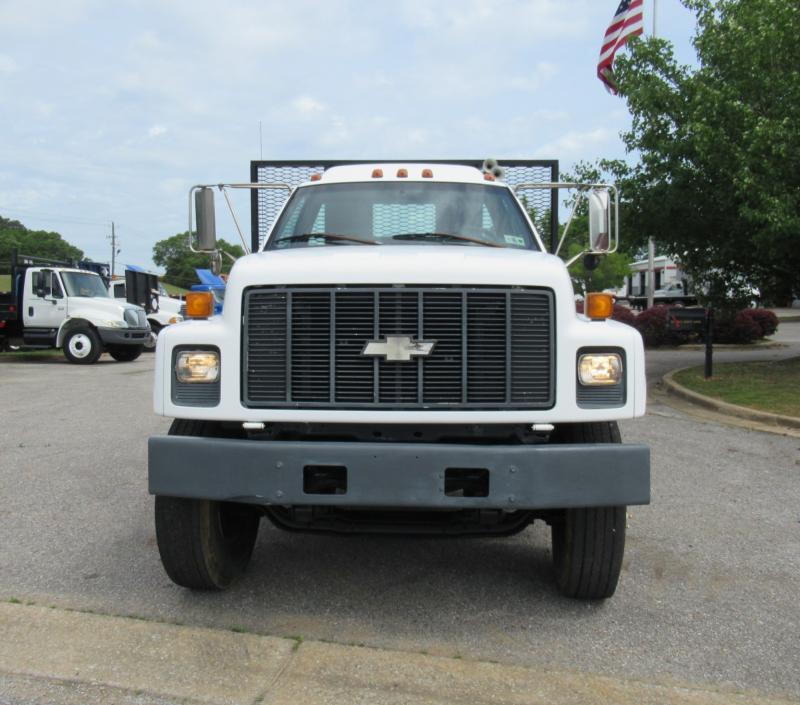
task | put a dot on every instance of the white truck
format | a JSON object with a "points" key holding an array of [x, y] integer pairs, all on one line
{"points": [[144, 289], [56, 305], [401, 355]]}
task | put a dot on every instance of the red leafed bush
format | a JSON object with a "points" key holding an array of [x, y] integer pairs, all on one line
{"points": [[766, 320], [736, 328], [652, 324], [621, 313], [624, 315]]}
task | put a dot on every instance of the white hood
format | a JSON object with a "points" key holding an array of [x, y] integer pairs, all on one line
{"points": [[399, 264]]}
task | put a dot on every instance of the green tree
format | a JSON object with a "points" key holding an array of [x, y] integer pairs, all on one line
{"points": [[36, 243], [718, 179], [174, 255]]}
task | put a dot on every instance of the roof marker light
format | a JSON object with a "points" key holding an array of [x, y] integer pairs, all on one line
{"points": [[316, 177], [402, 173], [427, 174], [377, 173], [488, 177]]}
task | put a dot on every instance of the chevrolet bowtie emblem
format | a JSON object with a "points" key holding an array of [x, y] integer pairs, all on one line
{"points": [[398, 348]]}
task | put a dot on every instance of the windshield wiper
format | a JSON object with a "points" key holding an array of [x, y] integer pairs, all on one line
{"points": [[334, 237], [445, 236]]}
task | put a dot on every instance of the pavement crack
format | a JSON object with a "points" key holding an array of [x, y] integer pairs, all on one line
{"points": [[261, 698]]}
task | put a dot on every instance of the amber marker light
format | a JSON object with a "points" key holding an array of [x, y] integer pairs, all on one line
{"points": [[402, 173], [488, 177], [316, 177], [199, 304], [599, 306], [427, 174], [377, 173]]}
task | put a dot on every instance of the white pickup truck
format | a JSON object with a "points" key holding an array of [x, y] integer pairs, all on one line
{"points": [[55, 305], [402, 355]]}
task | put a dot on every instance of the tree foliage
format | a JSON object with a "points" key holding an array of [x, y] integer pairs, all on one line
{"points": [[36, 243], [174, 255], [718, 178]]}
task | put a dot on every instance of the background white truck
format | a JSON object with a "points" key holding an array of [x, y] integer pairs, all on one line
{"points": [[55, 305], [143, 289], [401, 355]]}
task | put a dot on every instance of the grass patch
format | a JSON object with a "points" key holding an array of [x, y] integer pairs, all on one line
{"points": [[173, 290], [29, 355], [766, 386]]}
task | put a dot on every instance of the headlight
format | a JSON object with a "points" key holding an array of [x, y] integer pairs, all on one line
{"points": [[197, 366], [115, 324], [600, 368]]}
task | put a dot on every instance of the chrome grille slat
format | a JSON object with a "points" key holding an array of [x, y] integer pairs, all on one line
{"points": [[303, 347]]}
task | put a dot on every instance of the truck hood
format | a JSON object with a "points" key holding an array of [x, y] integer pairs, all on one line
{"points": [[400, 264], [96, 308]]}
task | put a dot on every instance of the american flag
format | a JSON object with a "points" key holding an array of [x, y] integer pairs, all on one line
{"points": [[628, 22]]}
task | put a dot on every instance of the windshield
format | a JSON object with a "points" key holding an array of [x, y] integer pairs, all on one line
{"points": [[84, 284], [402, 213]]}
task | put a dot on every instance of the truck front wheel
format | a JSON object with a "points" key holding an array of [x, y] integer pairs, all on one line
{"points": [[204, 544], [125, 353], [82, 346], [588, 543]]}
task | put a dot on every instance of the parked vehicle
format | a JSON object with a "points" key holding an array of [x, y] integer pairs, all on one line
{"points": [[55, 305], [400, 355], [145, 290]]}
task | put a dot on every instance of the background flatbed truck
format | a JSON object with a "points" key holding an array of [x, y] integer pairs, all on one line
{"points": [[53, 304]]}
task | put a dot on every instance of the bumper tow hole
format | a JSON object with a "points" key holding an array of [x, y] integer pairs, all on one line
{"points": [[466, 482], [325, 479]]}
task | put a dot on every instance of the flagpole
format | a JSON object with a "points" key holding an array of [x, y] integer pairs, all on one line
{"points": [[655, 10], [651, 245]]}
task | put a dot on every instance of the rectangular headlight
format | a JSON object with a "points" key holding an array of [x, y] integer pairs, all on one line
{"points": [[600, 369], [197, 366]]}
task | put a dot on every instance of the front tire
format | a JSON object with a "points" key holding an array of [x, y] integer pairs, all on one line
{"points": [[588, 543], [204, 544], [82, 346], [152, 339], [124, 353]]}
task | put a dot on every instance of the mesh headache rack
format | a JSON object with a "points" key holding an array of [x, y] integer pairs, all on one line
{"points": [[266, 204]]}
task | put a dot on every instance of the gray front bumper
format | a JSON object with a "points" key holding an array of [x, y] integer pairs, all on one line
{"points": [[124, 336], [400, 474]]}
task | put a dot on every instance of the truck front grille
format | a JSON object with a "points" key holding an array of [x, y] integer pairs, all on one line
{"points": [[303, 347]]}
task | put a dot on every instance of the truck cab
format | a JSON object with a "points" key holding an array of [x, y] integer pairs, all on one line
{"points": [[54, 305], [401, 355]]}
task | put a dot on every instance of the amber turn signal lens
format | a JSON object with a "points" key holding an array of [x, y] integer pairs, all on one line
{"points": [[599, 306], [199, 304]]}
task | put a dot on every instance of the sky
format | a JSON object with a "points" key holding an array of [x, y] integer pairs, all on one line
{"points": [[111, 111]]}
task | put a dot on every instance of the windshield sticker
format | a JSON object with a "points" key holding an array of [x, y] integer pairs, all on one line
{"points": [[514, 240]]}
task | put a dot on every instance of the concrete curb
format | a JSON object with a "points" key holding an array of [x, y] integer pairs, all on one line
{"points": [[722, 407], [76, 657]]}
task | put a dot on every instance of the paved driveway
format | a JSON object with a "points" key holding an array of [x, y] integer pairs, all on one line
{"points": [[708, 594]]}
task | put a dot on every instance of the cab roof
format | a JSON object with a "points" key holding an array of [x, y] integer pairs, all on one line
{"points": [[413, 170]]}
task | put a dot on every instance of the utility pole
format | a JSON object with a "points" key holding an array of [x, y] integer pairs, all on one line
{"points": [[113, 248]]}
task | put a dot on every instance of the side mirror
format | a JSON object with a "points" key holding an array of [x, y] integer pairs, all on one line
{"points": [[43, 283], [599, 220], [206, 223]]}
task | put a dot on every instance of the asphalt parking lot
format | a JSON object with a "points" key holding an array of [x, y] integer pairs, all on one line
{"points": [[708, 594]]}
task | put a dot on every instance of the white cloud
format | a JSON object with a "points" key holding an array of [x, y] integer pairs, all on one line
{"points": [[156, 131], [7, 64], [306, 105], [578, 144]]}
